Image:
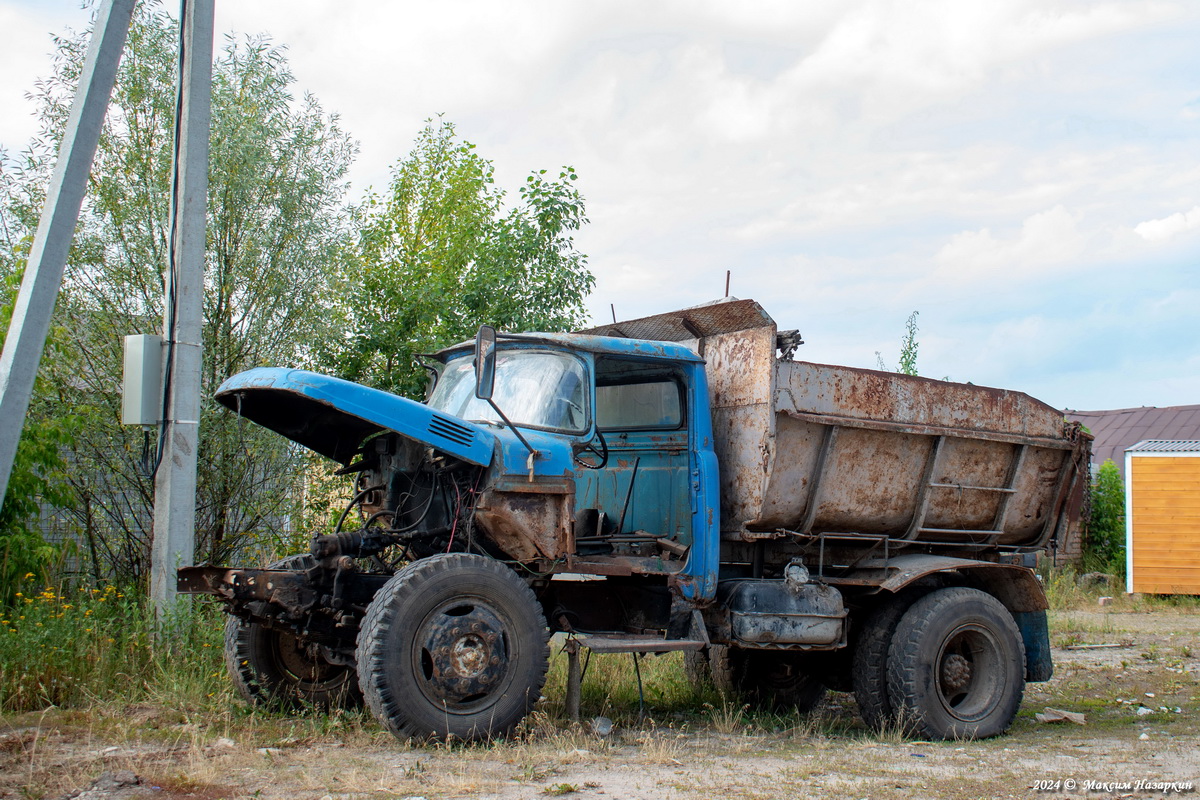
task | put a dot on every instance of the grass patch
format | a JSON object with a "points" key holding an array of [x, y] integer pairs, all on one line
{"points": [[90, 654], [610, 687], [1066, 592], [79, 647]]}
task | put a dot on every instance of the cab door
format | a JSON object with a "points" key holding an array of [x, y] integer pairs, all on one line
{"points": [[641, 415]]}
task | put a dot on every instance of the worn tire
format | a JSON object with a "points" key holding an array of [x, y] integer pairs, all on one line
{"points": [[775, 680], [709, 667], [696, 669], [956, 666], [869, 660], [453, 646], [270, 668]]}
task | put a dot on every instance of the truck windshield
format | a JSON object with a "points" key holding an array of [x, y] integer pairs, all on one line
{"points": [[533, 389]]}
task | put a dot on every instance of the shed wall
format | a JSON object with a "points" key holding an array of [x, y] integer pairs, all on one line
{"points": [[1163, 527]]}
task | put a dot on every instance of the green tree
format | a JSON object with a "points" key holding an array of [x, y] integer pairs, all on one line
{"points": [[440, 254], [277, 232], [1104, 546], [38, 476]]}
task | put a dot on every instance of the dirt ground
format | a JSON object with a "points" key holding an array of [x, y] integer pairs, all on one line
{"points": [[1139, 692]]}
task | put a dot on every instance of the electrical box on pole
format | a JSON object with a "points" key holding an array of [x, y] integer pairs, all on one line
{"points": [[141, 386]]}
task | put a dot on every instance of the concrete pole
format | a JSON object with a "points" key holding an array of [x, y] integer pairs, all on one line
{"points": [[51, 244], [175, 478]]}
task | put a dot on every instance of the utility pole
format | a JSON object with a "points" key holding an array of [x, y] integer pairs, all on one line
{"points": [[51, 244], [175, 476]]}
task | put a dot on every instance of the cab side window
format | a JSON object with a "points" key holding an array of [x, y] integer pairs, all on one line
{"points": [[647, 404]]}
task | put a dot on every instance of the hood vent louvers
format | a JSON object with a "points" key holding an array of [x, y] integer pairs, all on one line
{"points": [[449, 429]]}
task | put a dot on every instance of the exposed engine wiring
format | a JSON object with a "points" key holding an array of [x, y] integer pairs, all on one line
{"points": [[358, 498], [427, 508], [457, 512]]}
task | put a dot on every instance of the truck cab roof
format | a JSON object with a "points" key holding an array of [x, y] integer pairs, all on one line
{"points": [[586, 342]]}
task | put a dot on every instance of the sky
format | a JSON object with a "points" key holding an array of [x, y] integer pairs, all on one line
{"points": [[1025, 174]]}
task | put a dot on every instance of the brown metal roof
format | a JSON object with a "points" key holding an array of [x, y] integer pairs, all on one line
{"points": [[1122, 428]]}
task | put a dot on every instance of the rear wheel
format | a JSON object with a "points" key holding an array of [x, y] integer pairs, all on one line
{"points": [[696, 669], [453, 646], [869, 670], [709, 667], [776, 680], [272, 667], [956, 665]]}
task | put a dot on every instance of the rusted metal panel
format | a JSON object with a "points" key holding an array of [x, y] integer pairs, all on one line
{"points": [[283, 588], [908, 399], [623, 565], [708, 320], [741, 367], [743, 447], [820, 448], [614, 643], [740, 370], [870, 485], [529, 524], [1015, 586]]}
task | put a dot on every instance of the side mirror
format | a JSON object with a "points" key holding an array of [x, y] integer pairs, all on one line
{"points": [[485, 362]]}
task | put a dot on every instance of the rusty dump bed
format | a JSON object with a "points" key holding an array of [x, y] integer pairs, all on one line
{"points": [[814, 448]]}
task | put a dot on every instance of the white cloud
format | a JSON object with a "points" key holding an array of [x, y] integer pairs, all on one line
{"points": [[25, 57], [850, 162], [1160, 230], [1045, 239], [884, 59]]}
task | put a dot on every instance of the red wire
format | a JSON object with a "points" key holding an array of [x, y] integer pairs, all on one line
{"points": [[457, 510]]}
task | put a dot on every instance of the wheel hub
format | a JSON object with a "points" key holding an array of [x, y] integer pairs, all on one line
{"points": [[464, 653], [303, 662], [956, 673]]}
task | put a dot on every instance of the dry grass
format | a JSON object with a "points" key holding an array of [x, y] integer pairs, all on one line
{"points": [[690, 743]]}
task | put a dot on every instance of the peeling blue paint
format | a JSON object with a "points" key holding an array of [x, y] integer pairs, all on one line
{"points": [[332, 416]]}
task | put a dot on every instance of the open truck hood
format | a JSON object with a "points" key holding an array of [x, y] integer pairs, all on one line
{"points": [[333, 417]]}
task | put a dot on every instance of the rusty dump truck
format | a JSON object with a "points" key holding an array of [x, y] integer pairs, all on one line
{"points": [[676, 482]]}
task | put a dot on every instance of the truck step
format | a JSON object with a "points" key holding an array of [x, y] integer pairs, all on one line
{"points": [[634, 643]]}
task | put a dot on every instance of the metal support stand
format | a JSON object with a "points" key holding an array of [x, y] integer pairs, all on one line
{"points": [[574, 679], [637, 669], [51, 244], [175, 478]]}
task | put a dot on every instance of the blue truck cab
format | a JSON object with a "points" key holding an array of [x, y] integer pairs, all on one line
{"points": [[612, 432], [622, 427]]}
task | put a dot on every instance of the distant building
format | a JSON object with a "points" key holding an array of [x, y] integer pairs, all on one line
{"points": [[1122, 428], [1119, 429]]}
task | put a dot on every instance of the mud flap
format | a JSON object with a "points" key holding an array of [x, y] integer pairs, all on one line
{"points": [[1035, 632]]}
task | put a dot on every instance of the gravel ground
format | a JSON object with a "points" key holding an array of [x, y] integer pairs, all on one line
{"points": [[1139, 693]]}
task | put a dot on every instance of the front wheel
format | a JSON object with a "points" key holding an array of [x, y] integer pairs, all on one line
{"points": [[453, 646], [956, 666], [272, 667]]}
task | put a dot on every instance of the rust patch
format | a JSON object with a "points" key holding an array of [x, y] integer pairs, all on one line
{"points": [[528, 526]]}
